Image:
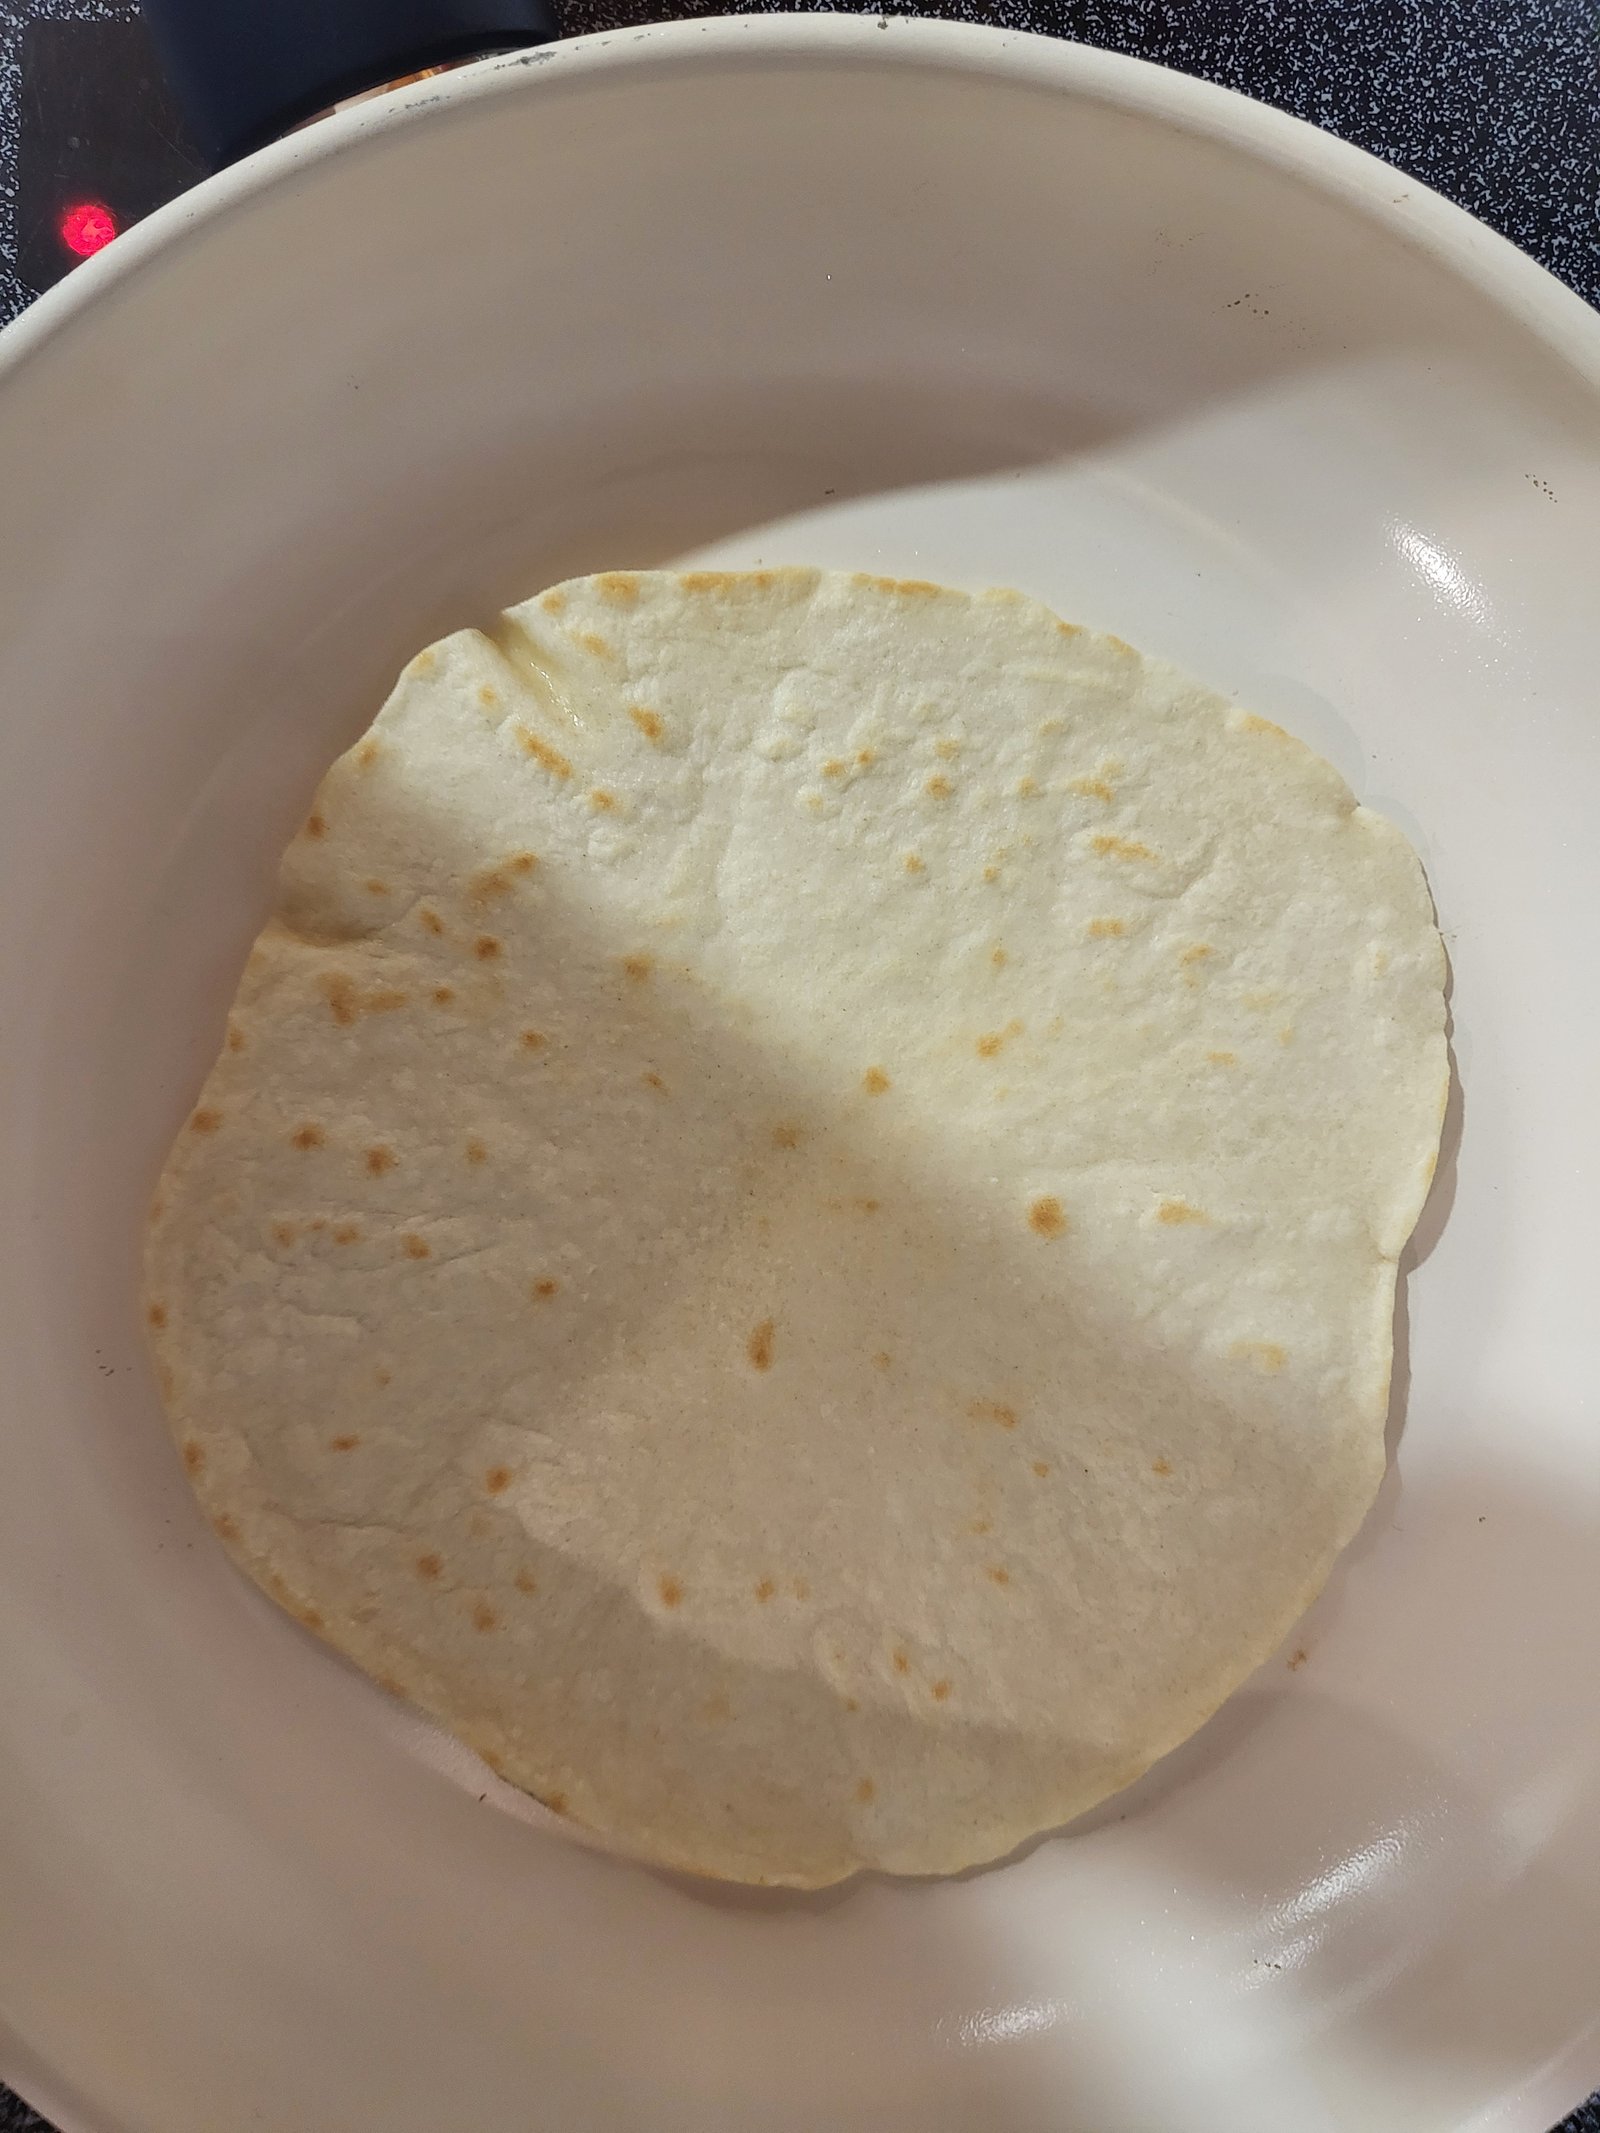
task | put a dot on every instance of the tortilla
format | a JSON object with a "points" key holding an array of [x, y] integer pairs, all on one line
{"points": [[795, 1231]]}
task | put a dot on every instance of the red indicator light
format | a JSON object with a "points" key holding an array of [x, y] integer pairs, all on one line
{"points": [[88, 227]]}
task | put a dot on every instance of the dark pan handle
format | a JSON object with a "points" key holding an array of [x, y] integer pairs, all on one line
{"points": [[247, 70]]}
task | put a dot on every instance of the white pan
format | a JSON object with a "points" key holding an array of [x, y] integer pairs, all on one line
{"points": [[937, 302]]}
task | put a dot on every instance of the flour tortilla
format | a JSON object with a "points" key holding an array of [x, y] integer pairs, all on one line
{"points": [[795, 1231]]}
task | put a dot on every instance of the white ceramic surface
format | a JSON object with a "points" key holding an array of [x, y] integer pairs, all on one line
{"points": [[937, 302]]}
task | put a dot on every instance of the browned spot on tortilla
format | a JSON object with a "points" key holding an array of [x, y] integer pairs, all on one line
{"points": [[497, 1480], [547, 1287], [834, 768], [866, 1791], [875, 1081], [913, 863], [522, 863], [1266, 1355], [901, 1660], [904, 588], [226, 1525], [284, 1234], [1223, 1058], [594, 643], [939, 1691], [1299, 1660], [488, 695], [476, 1151], [485, 887], [765, 1590], [648, 722], [801, 1589], [1199, 953], [850, 1704], [375, 887], [999, 958], [310, 1135], [346, 1443], [1248, 722], [938, 786], [865, 758], [430, 920], [1105, 929], [340, 993], [380, 1158], [205, 1120], [385, 1001], [554, 601], [1286, 1034], [1091, 788], [1027, 788], [1069, 629], [157, 1315], [310, 1616], [601, 801], [526, 1582], [194, 1456], [993, 1411], [867, 1207], [947, 748], [532, 1040], [991, 873], [236, 1038], [1045, 1217], [881, 1360], [997, 1574], [429, 1565], [484, 1617], [316, 826], [384, 1377], [543, 754], [1174, 1212], [670, 1590], [759, 1346], [486, 948], [786, 1136], [653, 1080], [416, 1247], [347, 1233], [1161, 1466], [1110, 847], [620, 587], [992, 1042], [443, 995], [1042, 1468]]}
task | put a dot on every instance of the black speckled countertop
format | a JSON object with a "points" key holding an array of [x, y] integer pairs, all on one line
{"points": [[1493, 102]]}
